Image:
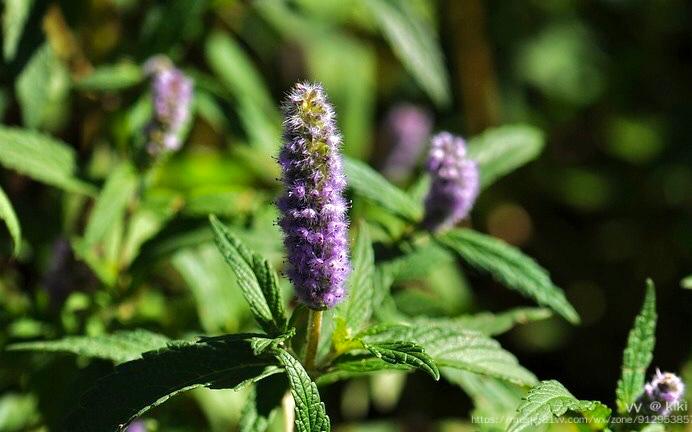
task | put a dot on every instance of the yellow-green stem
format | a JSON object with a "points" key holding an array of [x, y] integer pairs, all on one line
{"points": [[314, 328]]}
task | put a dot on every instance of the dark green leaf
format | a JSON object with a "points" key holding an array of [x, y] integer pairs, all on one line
{"points": [[111, 77], [501, 150], [639, 352], [120, 346], [256, 278], [262, 403], [357, 308], [137, 386], [371, 185], [408, 353], [550, 399], [411, 39], [311, 415], [8, 215], [352, 365], [509, 266], [40, 157]]}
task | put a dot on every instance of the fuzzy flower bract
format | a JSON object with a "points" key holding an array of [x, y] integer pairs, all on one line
{"points": [[313, 210], [455, 182]]}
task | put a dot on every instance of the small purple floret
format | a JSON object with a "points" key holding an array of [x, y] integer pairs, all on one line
{"points": [[663, 394], [172, 99], [313, 209], [455, 182], [406, 129]]}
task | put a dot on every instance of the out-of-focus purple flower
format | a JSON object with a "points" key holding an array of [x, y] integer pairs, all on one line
{"points": [[313, 210], [136, 426], [663, 394], [406, 128], [455, 182], [172, 98]]}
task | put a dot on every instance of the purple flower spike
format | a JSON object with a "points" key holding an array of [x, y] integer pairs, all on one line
{"points": [[663, 394], [172, 97], [313, 210], [455, 182], [407, 127]]}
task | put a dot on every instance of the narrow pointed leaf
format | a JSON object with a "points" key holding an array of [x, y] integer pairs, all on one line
{"points": [[501, 150], [14, 18], [311, 415], [509, 266], [256, 278], [639, 352], [370, 184], [10, 217]]}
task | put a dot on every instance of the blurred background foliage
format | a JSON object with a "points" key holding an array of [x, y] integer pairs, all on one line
{"points": [[606, 205]]}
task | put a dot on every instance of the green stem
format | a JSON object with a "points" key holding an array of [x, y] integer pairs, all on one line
{"points": [[314, 328]]}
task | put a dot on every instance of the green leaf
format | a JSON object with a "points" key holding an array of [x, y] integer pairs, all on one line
{"points": [[40, 157], [461, 349], [18, 412], [43, 90], [488, 323], [262, 403], [550, 399], [412, 40], [256, 277], [119, 347], [357, 308], [509, 266], [353, 365], [139, 385], [13, 20], [371, 185], [311, 415], [419, 262], [111, 77], [10, 217], [501, 150], [111, 203], [639, 352], [686, 282], [408, 353]]}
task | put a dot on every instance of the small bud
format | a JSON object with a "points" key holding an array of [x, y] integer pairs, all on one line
{"points": [[455, 182], [172, 99], [313, 210], [406, 129], [663, 393]]}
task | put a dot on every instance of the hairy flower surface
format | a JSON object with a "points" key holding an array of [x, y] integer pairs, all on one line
{"points": [[663, 393], [313, 210], [172, 98], [406, 129], [455, 182]]}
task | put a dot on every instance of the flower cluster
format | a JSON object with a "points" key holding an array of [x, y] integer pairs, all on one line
{"points": [[455, 182], [663, 393], [406, 129], [172, 98], [313, 210]]}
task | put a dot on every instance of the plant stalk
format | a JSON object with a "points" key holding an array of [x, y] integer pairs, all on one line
{"points": [[314, 328]]}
